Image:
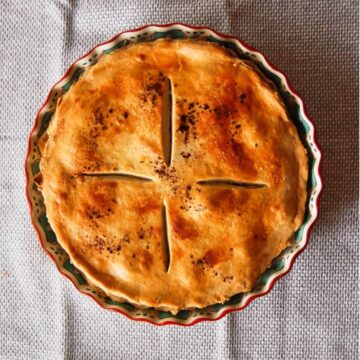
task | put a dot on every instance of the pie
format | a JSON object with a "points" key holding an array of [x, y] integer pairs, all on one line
{"points": [[172, 174]]}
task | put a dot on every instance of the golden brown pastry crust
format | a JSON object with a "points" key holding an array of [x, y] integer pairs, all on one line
{"points": [[229, 124]]}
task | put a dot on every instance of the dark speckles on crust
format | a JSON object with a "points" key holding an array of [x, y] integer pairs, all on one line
{"points": [[224, 112], [98, 124], [153, 89], [184, 129], [185, 154], [141, 234], [101, 193], [98, 117], [114, 249], [88, 153], [227, 279], [145, 233], [104, 118], [100, 200], [213, 257], [126, 239], [183, 118], [211, 261], [99, 244], [188, 118], [103, 244], [166, 173], [94, 213]]}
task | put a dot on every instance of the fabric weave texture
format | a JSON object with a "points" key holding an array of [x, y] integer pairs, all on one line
{"points": [[312, 313]]}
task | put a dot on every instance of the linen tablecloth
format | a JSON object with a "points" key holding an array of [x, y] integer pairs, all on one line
{"points": [[312, 313]]}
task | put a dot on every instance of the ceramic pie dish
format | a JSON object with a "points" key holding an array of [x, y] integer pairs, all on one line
{"points": [[98, 200]]}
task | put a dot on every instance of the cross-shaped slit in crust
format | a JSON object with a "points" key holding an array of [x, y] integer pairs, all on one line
{"points": [[231, 183], [167, 142], [165, 236], [124, 176], [167, 124]]}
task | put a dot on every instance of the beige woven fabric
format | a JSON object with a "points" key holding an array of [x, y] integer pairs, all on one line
{"points": [[312, 313]]}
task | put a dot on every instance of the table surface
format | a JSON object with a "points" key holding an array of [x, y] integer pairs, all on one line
{"points": [[312, 312]]}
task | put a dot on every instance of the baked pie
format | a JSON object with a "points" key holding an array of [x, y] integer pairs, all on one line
{"points": [[172, 174]]}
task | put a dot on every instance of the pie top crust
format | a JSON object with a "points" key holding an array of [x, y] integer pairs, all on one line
{"points": [[174, 201]]}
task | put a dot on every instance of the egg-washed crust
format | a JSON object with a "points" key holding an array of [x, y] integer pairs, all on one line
{"points": [[228, 124]]}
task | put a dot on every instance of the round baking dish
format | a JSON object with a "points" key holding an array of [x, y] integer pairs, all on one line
{"points": [[280, 266]]}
